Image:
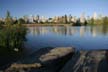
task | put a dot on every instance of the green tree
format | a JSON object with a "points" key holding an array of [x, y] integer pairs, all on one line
{"points": [[105, 20], [92, 21], [99, 21], [70, 17], [65, 19], [1, 22], [26, 19], [21, 21], [8, 19], [12, 36]]}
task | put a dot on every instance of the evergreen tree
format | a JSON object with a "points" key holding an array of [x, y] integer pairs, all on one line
{"points": [[92, 21], [105, 20], [65, 17], [21, 21], [70, 17], [8, 19]]}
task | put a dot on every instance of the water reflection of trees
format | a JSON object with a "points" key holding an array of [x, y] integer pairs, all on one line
{"points": [[67, 30], [99, 30]]}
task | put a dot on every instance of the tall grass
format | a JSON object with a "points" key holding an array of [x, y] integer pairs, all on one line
{"points": [[12, 37]]}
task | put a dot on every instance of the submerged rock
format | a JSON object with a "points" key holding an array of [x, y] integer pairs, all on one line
{"points": [[18, 66], [87, 61], [22, 67], [56, 58], [16, 49], [43, 60], [56, 53]]}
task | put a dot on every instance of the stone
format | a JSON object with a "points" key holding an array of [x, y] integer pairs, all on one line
{"points": [[35, 65], [56, 58], [87, 61], [43, 60], [56, 53], [16, 49], [21, 67]]}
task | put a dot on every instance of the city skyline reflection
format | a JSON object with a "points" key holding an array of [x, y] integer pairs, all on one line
{"points": [[67, 30], [81, 37]]}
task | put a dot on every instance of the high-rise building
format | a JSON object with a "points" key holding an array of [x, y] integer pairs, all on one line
{"points": [[14, 18], [55, 19], [74, 19], [82, 18], [31, 18], [70, 17], [95, 16], [100, 16], [26, 18], [2, 19], [37, 19], [43, 19]]}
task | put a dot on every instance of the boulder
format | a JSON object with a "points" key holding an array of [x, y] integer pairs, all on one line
{"points": [[22, 67], [87, 61], [43, 60], [56, 58], [56, 53]]}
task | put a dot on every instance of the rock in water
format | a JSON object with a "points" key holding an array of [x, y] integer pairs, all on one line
{"points": [[19, 67], [56, 58], [16, 49], [43, 60], [56, 53]]}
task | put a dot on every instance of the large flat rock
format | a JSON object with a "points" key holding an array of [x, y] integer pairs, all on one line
{"points": [[87, 61], [56, 53], [43, 60]]}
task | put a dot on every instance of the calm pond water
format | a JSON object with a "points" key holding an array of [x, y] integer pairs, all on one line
{"points": [[80, 37]]}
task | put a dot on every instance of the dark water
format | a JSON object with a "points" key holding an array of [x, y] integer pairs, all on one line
{"points": [[80, 37]]}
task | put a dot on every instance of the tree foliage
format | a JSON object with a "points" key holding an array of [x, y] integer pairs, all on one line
{"points": [[21, 21], [105, 20], [8, 19], [12, 35]]}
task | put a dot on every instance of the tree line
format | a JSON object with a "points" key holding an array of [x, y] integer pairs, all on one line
{"points": [[57, 20]]}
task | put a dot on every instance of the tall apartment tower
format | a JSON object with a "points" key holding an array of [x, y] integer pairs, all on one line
{"points": [[82, 18], [95, 16]]}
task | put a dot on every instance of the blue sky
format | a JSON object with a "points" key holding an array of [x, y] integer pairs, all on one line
{"points": [[51, 8]]}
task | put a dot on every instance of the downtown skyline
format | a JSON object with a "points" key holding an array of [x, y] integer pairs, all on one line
{"points": [[48, 8]]}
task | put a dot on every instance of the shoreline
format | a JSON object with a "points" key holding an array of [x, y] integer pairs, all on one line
{"points": [[31, 25], [65, 25], [85, 58]]}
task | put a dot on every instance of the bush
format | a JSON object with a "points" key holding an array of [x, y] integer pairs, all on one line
{"points": [[12, 37]]}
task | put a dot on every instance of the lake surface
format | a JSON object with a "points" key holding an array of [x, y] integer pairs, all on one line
{"points": [[80, 37]]}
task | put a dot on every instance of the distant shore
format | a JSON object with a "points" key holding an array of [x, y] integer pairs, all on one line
{"points": [[31, 25]]}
